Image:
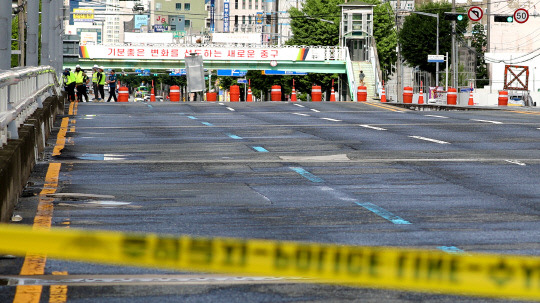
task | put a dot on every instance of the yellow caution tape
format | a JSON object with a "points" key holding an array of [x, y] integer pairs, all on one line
{"points": [[382, 267]]}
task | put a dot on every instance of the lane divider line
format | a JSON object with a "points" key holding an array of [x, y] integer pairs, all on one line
{"points": [[383, 213], [436, 116], [233, 136], [384, 107], [299, 105], [450, 249], [372, 127], [330, 119], [317, 111], [260, 149], [61, 137], [231, 109], [429, 139], [207, 123], [192, 118], [516, 162], [304, 173], [300, 114], [401, 268], [487, 121]]}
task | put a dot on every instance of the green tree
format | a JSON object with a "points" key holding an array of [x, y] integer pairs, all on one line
{"points": [[307, 25], [479, 43], [14, 40], [385, 36], [418, 37]]}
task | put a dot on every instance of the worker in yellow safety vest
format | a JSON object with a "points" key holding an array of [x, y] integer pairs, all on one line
{"points": [[95, 81], [69, 77], [80, 80], [102, 79]]}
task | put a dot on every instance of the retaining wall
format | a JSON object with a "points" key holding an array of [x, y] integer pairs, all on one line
{"points": [[18, 157]]}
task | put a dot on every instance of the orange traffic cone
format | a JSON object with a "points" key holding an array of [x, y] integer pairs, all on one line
{"points": [[421, 97], [333, 95], [471, 100], [293, 95], [383, 95], [152, 96], [249, 95]]}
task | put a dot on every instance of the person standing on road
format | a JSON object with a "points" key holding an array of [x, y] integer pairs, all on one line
{"points": [[102, 79], [112, 86], [95, 81], [79, 80], [70, 84], [361, 76]]}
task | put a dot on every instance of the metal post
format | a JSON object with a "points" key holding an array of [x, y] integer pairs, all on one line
{"points": [[45, 8], [5, 34], [32, 33], [398, 63], [454, 55], [437, 63], [446, 85], [22, 20], [51, 32]]}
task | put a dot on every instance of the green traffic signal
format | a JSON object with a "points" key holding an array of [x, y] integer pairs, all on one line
{"points": [[454, 16], [504, 18]]}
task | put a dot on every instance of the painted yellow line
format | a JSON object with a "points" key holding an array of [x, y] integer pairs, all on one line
{"points": [[61, 138], [34, 263], [479, 274], [70, 111], [58, 293], [383, 107], [523, 112]]}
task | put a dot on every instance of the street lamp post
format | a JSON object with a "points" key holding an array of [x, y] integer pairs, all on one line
{"points": [[437, 63]]}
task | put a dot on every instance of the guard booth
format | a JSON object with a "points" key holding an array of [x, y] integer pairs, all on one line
{"points": [[356, 29]]}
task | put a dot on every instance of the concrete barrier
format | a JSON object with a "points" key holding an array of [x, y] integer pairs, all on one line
{"points": [[18, 157]]}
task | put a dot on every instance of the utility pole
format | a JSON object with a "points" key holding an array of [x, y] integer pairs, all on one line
{"points": [[32, 33], [276, 24], [454, 47], [5, 35], [22, 21], [398, 63]]}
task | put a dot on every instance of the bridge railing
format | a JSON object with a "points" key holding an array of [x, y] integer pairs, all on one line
{"points": [[22, 91]]}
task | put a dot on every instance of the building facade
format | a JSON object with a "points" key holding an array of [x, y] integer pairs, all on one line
{"points": [[185, 16]]}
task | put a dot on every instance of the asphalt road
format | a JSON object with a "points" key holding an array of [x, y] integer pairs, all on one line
{"points": [[344, 173]]}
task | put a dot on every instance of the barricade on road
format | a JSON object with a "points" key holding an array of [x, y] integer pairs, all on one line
{"points": [[361, 94], [503, 98], [451, 96], [234, 91], [407, 94], [174, 94], [316, 93], [123, 94], [275, 93]]}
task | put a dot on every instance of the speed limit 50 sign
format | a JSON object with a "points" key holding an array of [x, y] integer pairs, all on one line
{"points": [[521, 15]]}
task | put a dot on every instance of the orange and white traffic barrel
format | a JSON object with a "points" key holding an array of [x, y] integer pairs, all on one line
{"points": [[275, 93], [451, 96], [407, 94], [361, 94], [503, 98], [174, 93], [316, 93]]}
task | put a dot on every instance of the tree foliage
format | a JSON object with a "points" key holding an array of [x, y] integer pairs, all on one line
{"points": [[385, 36], [479, 43], [418, 37], [309, 29]]}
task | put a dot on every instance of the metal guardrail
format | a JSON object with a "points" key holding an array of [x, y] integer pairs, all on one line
{"points": [[22, 91]]}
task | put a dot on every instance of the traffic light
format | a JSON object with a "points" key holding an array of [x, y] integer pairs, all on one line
{"points": [[454, 16], [504, 18]]}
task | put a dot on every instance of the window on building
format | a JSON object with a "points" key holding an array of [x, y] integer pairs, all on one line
{"points": [[235, 4], [243, 4], [249, 19], [235, 20], [243, 19], [187, 23], [187, 6], [173, 27], [250, 4], [158, 6], [178, 6], [256, 4], [357, 23]]}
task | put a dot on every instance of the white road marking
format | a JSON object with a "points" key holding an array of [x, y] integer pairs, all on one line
{"points": [[231, 109], [435, 116], [429, 139], [300, 114], [299, 105], [317, 111], [372, 127], [330, 119], [221, 103], [487, 121], [516, 162]]}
